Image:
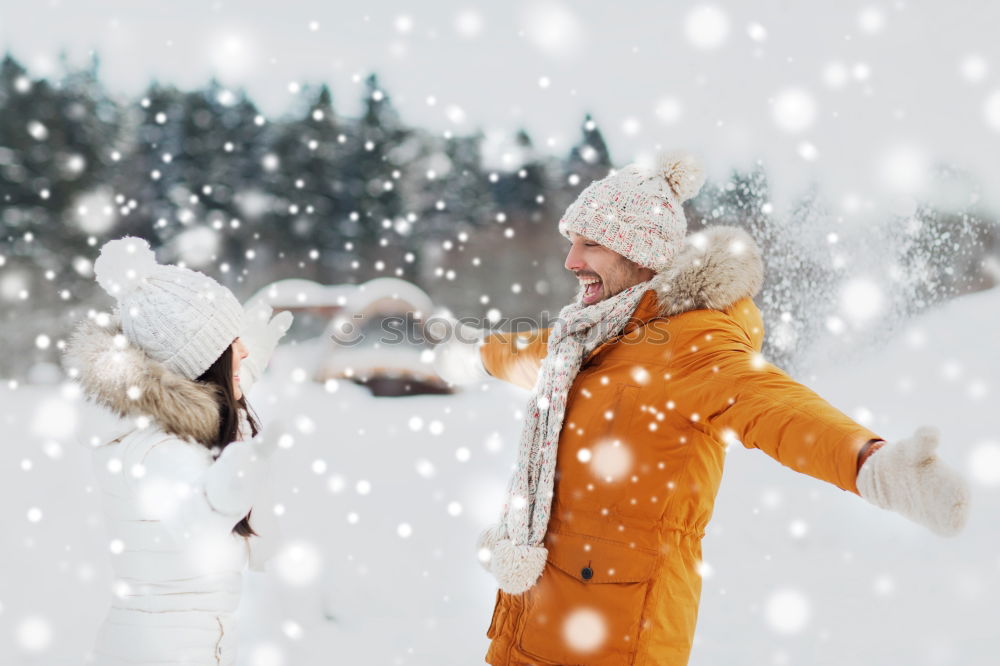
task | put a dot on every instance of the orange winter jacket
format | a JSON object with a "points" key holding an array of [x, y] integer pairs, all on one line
{"points": [[640, 459]]}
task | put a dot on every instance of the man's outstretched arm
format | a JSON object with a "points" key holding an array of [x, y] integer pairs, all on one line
{"points": [[516, 357], [769, 410], [469, 355], [765, 409]]}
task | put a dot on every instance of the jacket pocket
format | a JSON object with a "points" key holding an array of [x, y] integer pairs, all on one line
{"points": [[588, 605]]}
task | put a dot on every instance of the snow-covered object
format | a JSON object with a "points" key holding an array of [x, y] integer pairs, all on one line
{"points": [[908, 477], [365, 364], [351, 346], [179, 317], [637, 211], [389, 295], [170, 506], [362, 348], [295, 294]]}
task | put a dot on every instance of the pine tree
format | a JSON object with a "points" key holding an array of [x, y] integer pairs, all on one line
{"points": [[371, 174], [588, 160], [313, 151]]}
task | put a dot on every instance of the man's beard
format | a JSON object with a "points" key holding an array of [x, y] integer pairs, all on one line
{"points": [[618, 279]]}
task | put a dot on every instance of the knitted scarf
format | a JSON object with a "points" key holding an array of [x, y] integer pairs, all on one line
{"points": [[512, 550]]}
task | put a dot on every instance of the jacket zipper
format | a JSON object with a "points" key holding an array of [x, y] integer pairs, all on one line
{"points": [[218, 644]]}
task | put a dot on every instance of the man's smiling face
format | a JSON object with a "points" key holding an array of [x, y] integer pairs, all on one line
{"points": [[602, 272]]}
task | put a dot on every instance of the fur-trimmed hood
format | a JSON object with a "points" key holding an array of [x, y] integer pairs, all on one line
{"points": [[717, 266], [118, 375]]}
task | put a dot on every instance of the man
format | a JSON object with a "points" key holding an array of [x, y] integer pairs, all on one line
{"points": [[637, 389]]}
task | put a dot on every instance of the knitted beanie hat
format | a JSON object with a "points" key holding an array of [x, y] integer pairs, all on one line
{"points": [[637, 211], [177, 316]]}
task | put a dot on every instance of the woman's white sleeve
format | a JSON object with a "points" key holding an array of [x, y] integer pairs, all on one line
{"points": [[181, 480]]}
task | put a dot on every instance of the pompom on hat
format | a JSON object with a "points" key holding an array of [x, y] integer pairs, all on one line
{"points": [[178, 317], [637, 211]]}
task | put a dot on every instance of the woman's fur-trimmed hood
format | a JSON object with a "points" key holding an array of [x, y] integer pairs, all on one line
{"points": [[118, 375], [716, 267]]}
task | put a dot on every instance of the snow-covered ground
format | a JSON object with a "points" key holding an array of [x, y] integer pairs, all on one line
{"points": [[381, 500]]}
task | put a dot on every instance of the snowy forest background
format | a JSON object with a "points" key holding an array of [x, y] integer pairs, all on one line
{"points": [[880, 293], [210, 181]]}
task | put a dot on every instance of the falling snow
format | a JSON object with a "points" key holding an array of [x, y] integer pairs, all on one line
{"points": [[863, 166]]}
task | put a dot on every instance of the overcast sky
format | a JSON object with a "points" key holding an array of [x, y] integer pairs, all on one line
{"points": [[864, 97]]}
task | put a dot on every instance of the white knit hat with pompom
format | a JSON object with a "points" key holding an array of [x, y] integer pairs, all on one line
{"points": [[179, 317], [637, 210]]}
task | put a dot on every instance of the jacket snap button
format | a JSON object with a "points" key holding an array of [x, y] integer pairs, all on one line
{"points": [[587, 573]]}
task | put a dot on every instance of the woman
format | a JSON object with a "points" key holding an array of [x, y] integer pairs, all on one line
{"points": [[179, 486]]}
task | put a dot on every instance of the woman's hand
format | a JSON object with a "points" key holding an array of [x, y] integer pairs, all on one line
{"points": [[260, 333]]}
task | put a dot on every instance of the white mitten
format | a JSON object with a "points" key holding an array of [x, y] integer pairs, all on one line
{"points": [[260, 334], [457, 359], [263, 520], [235, 476], [265, 523], [907, 477]]}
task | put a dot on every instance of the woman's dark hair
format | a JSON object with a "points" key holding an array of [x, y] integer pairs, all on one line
{"points": [[220, 374]]}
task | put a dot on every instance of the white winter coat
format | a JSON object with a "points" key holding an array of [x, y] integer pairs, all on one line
{"points": [[170, 507]]}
